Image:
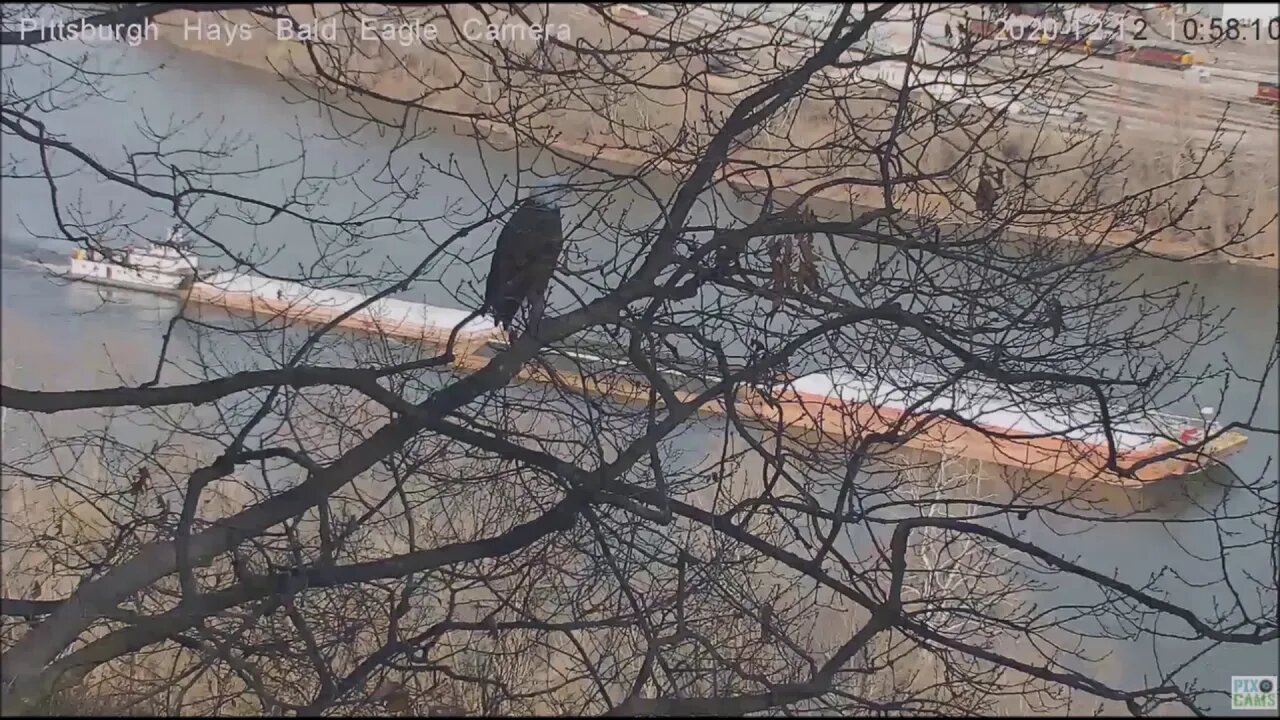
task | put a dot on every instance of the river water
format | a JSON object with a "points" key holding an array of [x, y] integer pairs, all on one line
{"points": [[57, 335]]}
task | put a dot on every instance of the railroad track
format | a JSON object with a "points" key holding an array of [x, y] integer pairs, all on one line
{"points": [[1158, 103], [1126, 99]]}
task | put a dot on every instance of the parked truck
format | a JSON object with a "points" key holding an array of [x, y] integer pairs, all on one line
{"points": [[1268, 93], [1157, 56]]}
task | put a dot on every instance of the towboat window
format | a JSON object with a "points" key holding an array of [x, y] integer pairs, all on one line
{"points": [[177, 240]]}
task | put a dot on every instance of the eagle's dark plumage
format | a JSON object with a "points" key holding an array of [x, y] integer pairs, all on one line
{"points": [[1053, 316], [985, 198], [526, 257], [987, 195]]}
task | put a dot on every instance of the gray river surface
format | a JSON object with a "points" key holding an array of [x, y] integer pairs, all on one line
{"points": [[63, 336]]}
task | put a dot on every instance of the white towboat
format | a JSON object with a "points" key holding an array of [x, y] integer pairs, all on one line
{"points": [[159, 267]]}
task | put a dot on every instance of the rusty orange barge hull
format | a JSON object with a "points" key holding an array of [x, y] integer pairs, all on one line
{"points": [[1043, 454]]}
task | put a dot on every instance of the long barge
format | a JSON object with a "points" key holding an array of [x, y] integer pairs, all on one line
{"points": [[969, 420]]}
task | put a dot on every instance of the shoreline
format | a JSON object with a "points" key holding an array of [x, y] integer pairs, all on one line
{"points": [[737, 176]]}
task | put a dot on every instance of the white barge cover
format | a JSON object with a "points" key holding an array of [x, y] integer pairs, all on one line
{"points": [[386, 312], [984, 404]]}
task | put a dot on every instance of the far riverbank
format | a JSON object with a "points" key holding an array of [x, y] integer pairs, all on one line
{"points": [[265, 52]]}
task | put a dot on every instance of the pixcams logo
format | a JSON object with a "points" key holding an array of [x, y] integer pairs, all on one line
{"points": [[1253, 692]]}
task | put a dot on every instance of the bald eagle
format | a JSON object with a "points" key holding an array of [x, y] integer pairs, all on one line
{"points": [[524, 260], [988, 190], [985, 198]]}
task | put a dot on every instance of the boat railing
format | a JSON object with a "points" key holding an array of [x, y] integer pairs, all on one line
{"points": [[153, 256], [1175, 424]]}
